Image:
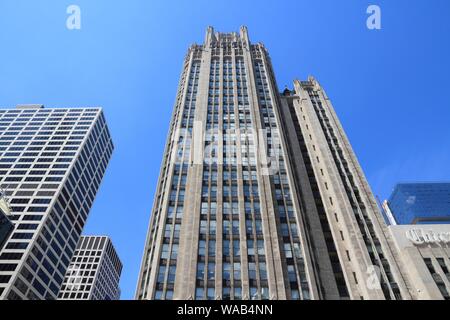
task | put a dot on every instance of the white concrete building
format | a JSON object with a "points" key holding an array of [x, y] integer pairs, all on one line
{"points": [[51, 164], [94, 272]]}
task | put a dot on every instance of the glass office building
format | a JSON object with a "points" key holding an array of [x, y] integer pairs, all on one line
{"points": [[420, 203]]}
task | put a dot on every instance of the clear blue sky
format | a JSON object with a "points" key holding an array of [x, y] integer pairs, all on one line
{"points": [[389, 87]]}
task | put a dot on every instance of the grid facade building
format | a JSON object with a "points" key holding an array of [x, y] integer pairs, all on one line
{"points": [[51, 164], [94, 272], [238, 211]]}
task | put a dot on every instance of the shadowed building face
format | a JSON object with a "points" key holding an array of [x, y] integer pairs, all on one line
{"points": [[6, 225]]}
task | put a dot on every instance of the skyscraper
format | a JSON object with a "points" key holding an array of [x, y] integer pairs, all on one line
{"points": [[51, 164], [94, 272], [345, 222], [260, 195], [419, 203]]}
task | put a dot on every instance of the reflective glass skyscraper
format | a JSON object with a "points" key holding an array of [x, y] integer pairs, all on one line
{"points": [[420, 203], [260, 195], [51, 164]]}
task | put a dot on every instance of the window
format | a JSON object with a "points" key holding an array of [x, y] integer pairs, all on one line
{"points": [[226, 271], [161, 274], [443, 266], [253, 293], [262, 271], [235, 230], [226, 248], [237, 293], [288, 250], [429, 265], [165, 251], [203, 226], [291, 273], [210, 294], [226, 226], [199, 293], [211, 248], [202, 248], [212, 227], [171, 275], [174, 253], [211, 270], [236, 248], [226, 293], [158, 295], [260, 244], [252, 271], [200, 270], [237, 271]]}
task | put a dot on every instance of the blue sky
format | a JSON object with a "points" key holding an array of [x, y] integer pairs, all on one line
{"points": [[389, 87]]}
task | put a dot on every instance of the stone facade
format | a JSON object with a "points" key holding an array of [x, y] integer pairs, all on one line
{"points": [[424, 250], [260, 195]]}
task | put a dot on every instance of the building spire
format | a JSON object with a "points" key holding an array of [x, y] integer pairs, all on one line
{"points": [[210, 36], [244, 36]]}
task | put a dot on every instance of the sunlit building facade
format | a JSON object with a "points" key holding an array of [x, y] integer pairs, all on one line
{"points": [[94, 272], [51, 164], [242, 208]]}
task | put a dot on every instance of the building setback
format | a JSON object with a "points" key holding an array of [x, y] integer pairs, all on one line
{"points": [[94, 272], [51, 164], [260, 195], [345, 222]]}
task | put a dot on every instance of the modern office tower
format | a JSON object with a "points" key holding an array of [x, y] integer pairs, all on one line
{"points": [[94, 272], [260, 195], [6, 226], [51, 164], [419, 203]]}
